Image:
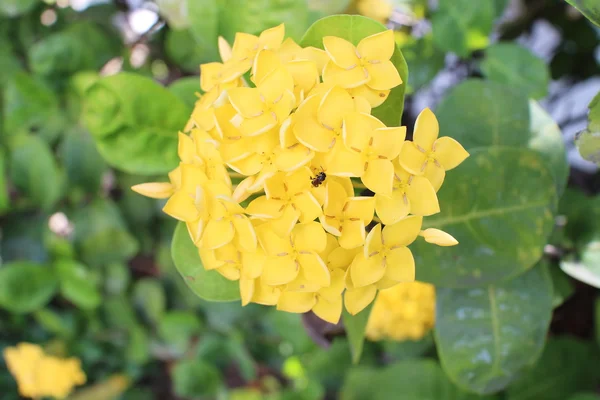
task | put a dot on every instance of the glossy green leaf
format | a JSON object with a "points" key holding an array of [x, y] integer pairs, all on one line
{"points": [[515, 66], [14, 8], [588, 140], [149, 296], [25, 286], [203, 17], [77, 285], [567, 366], [499, 205], [132, 133], [478, 113], [83, 164], [424, 61], [255, 16], [356, 326], [587, 269], [487, 336], [589, 8], [29, 105], [101, 236], [354, 28], [461, 26], [4, 196], [209, 285], [33, 170], [563, 287], [421, 379], [195, 378], [186, 89]]}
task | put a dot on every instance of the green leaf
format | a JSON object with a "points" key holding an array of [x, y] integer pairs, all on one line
{"points": [[546, 138], [195, 378], [14, 8], [461, 26], [487, 336], [23, 238], [178, 327], [83, 164], [585, 396], [589, 8], [175, 12], [588, 140], [499, 206], [77, 285], [149, 296], [203, 17], [186, 89], [354, 28], [57, 323], [133, 134], [116, 278], [101, 236], [183, 49], [587, 269], [597, 320], [563, 288], [479, 113], [255, 16], [138, 346], [31, 106], [9, 63], [424, 61], [33, 170], [4, 197], [319, 8], [119, 313], [209, 285], [356, 326], [25, 286], [567, 366], [420, 379], [513, 65]]}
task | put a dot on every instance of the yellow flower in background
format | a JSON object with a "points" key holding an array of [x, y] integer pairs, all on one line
{"points": [[379, 10], [296, 230], [403, 312], [40, 375]]}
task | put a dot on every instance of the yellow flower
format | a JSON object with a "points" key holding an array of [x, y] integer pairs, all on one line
{"points": [[366, 66], [429, 156], [346, 217], [386, 254], [228, 223], [410, 194], [246, 46], [220, 76], [232, 263], [39, 375], [379, 10], [294, 256], [291, 51], [405, 311], [436, 236]]}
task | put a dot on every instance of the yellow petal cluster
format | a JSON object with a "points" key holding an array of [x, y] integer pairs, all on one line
{"points": [[403, 312], [39, 375], [296, 227]]}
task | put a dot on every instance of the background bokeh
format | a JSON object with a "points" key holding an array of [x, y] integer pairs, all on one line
{"points": [[85, 263]]}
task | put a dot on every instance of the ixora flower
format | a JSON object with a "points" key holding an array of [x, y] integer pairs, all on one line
{"points": [[296, 229], [39, 375]]}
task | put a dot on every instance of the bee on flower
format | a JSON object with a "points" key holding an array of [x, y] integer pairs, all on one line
{"points": [[296, 232]]}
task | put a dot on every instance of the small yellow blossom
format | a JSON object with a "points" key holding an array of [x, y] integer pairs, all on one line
{"points": [[403, 312], [40, 375], [429, 156], [302, 144]]}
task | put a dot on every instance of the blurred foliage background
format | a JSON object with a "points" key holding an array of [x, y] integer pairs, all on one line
{"points": [[85, 263]]}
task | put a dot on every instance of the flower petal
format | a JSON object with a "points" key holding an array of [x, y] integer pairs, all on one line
{"points": [[246, 101], [412, 159], [353, 234], [346, 78], [283, 225], [217, 233], [334, 106], [379, 176], [195, 229], [279, 270], [209, 259], [341, 258], [449, 152], [435, 175], [439, 237], [384, 76], [309, 237], [344, 162], [366, 271], [293, 158], [391, 209], [181, 206], [314, 269], [258, 125], [328, 310], [374, 97], [265, 294], [252, 264], [271, 38], [361, 207], [422, 197], [388, 142], [308, 206], [400, 265], [229, 271], [245, 237], [426, 129], [358, 299], [373, 242], [266, 61], [335, 198], [296, 302], [379, 46], [402, 233], [341, 51], [155, 190], [312, 134], [271, 243], [246, 290]]}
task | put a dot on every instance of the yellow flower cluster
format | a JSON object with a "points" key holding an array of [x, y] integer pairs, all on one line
{"points": [[300, 137], [39, 375], [405, 311]]}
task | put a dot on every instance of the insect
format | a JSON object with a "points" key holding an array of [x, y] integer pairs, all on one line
{"points": [[319, 178]]}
